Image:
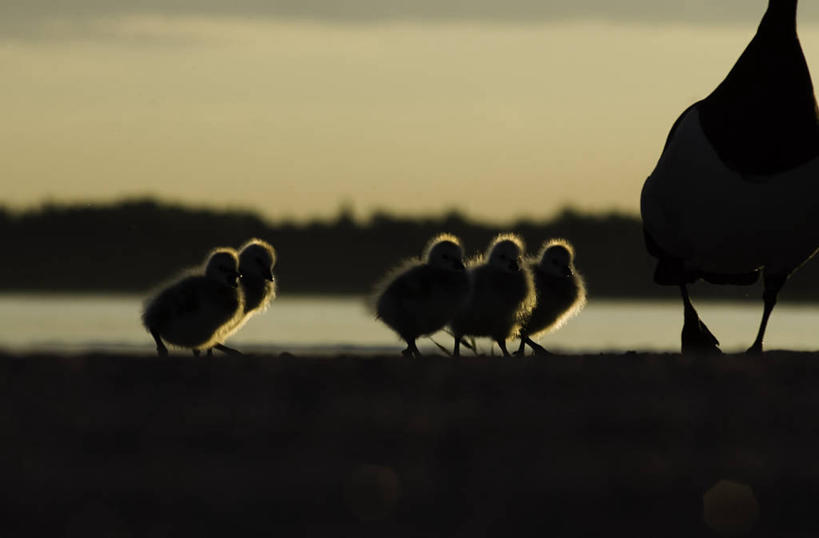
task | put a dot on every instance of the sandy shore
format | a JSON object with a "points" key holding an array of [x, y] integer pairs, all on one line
{"points": [[124, 445]]}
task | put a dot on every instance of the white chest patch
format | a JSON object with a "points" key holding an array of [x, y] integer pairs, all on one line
{"points": [[718, 221]]}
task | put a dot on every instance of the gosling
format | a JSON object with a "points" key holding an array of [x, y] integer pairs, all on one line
{"points": [[423, 296], [256, 261], [560, 293], [501, 294], [198, 310]]}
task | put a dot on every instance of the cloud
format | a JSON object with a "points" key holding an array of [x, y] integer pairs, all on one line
{"points": [[92, 19], [31, 12]]}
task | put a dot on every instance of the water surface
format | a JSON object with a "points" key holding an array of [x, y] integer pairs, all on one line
{"points": [[343, 324]]}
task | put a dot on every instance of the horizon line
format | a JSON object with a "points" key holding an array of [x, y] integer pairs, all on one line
{"points": [[345, 210]]}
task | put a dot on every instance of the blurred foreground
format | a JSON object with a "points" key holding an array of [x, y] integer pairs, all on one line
{"points": [[103, 445]]}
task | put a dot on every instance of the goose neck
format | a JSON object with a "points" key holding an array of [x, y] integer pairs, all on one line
{"points": [[780, 15]]}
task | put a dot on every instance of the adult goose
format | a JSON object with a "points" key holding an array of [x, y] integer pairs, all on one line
{"points": [[736, 189]]}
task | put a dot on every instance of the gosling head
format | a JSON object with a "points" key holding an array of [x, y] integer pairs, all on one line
{"points": [[557, 258], [256, 260], [505, 253], [445, 252], [223, 266]]}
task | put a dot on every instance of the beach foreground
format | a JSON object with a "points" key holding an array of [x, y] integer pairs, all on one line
{"points": [[108, 445]]}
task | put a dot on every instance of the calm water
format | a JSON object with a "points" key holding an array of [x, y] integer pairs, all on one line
{"points": [[333, 324]]}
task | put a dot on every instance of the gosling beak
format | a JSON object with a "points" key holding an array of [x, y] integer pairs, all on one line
{"points": [[268, 275], [567, 271], [459, 265], [514, 266]]}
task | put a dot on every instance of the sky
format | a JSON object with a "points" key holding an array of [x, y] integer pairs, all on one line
{"points": [[500, 109]]}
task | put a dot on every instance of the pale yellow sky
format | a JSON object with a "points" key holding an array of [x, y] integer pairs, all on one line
{"points": [[498, 120]]}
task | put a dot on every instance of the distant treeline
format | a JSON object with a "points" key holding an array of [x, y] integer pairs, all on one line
{"points": [[135, 245]]}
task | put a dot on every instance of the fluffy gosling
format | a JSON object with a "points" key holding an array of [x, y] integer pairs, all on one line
{"points": [[420, 297], [256, 261], [559, 289], [197, 310], [501, 294]]}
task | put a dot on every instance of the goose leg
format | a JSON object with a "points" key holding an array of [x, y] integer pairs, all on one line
{"points": [[773, 283], [161, 350], [696, 338]]}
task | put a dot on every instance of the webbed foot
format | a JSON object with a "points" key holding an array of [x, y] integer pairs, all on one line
{"points": [[697, 338]]}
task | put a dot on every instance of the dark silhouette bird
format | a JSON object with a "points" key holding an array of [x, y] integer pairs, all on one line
{"points": [[735, 192], [199, 309], [421, 297], [501, 294], [559, 290], [256, 261]]}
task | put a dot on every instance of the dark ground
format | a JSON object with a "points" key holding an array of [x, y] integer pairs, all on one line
{"points": [[123, 446]]}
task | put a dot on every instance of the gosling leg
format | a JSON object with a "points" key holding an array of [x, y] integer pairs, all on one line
{"points": [[502, 345], [226, 350], [161, 350], [537, 348], [412, 349]]}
